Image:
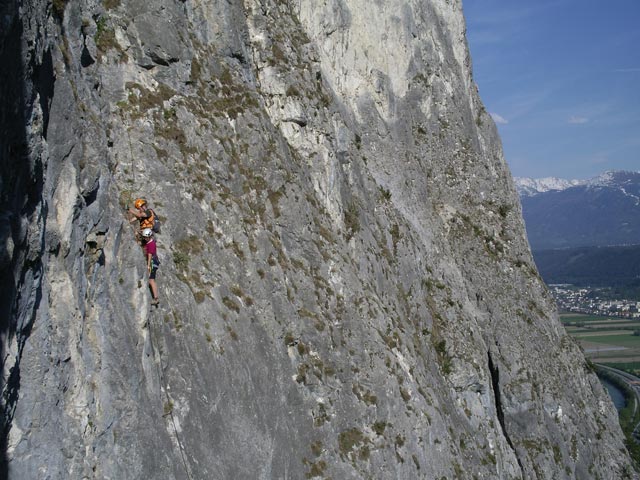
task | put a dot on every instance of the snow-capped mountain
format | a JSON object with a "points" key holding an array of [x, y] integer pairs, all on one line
{"points": [[614, 178], [601, 211], [533, 186]]}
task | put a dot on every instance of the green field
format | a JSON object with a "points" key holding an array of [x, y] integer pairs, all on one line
{"points": [[631, 367], [579, 318], [611, 341], [627, 340], [606, 340]]}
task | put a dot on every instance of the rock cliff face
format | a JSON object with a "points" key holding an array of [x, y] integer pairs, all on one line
{"points": [[346, 288]]}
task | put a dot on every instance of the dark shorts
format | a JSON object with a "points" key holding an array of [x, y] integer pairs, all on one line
{"points": [[152, 274]]}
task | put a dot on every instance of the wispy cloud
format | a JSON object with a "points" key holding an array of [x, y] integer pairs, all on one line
{"points": [[575, 120], [497, 22], [599, 158], [522, 104], [493, 13], [606, 113], [627, 70], [499, 119], [485, 37]]}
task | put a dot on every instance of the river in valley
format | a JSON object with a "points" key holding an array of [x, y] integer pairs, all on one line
{"points": [[615, 393]]}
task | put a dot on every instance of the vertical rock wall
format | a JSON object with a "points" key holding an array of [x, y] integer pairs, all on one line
{"points": [[347, 291]]}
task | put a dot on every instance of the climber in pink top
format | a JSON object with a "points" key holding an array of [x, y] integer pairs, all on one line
{"points": [[151, 255]]}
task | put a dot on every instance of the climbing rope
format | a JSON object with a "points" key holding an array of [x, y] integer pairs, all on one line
{"points": [[152, 317], [160, 367], [126, 129]]}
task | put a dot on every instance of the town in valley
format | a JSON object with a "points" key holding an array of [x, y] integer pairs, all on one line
{"points": [[593, 301]]}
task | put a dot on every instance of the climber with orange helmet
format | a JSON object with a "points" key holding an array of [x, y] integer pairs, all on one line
{"points": [[143, 214]]}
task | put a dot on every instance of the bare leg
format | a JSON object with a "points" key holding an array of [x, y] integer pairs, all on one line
{"points": [[154, 288]]}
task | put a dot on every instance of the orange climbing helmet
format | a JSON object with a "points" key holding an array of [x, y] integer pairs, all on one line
{"points": [[139, 202]]}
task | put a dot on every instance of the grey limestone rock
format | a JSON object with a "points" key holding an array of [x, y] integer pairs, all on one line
{"points": [[346, 287]]}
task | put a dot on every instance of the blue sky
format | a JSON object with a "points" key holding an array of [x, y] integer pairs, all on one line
{"points": [[561, 79]]}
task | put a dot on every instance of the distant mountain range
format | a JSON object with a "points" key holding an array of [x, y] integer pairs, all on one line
{"points": [[527, 187], [594, 266], [602, 211]]}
